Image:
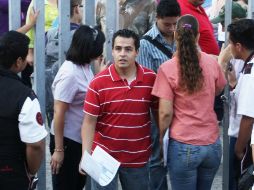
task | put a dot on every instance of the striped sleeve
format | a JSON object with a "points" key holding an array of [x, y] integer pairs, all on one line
{"points": [[144, 58], [92, 101]]}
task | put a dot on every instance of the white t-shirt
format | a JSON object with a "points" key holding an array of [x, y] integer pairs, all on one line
{"points": [[245, 91], [70, 85], [234, 118], [31, 127]]}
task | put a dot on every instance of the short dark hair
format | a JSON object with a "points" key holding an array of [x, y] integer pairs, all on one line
{"points": [[87, 44], [12, 46], [168, 8], [126, 33], [241, 31]]}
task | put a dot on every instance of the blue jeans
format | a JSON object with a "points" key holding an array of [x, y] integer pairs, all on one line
{"points": [[130, 178], [157, 172], [193, 167]]}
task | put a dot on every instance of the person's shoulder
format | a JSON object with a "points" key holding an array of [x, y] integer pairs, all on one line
{"points": [[23, 91], [148, 73], [151, 32], [170, 67], [209, 61], [18, 84], [209, 58], [147, 70], [206, 56], [68, 69], [170, 63], [102, 76], [249, 69]]}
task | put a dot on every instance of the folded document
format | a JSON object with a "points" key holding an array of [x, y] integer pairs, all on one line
{"points": [[101, 166]]}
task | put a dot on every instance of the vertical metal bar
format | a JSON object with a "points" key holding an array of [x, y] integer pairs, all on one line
{"points": [[89, 13], [14, 18], [112, 10], [228, 17], [225, 183], [250, 9], [39, 75], [64, 29]]}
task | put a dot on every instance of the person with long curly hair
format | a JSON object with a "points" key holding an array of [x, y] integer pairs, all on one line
{"points": [[186, 86]]}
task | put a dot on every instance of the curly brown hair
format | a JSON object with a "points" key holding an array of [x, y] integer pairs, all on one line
{"points": [[191, 76]]}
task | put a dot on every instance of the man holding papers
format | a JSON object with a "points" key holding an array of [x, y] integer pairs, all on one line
{"points": [[117, 115]]}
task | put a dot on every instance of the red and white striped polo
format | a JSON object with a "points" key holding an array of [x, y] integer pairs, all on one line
{"points": [[123, 123]]}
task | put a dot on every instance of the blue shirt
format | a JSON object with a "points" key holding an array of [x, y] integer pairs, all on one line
{"points": [[149, 55]]}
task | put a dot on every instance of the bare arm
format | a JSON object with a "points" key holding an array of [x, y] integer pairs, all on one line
{"points": [[87, 132], [224, 57], [244, 135], [34, 155], [32, 20], [87, 135], [59, 114], [165, 116]]}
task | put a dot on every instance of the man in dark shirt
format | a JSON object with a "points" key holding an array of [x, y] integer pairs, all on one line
{"points": [[22, 132]]}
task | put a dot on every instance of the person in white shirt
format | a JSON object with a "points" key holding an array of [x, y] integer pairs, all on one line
{"points": [[241, 41]]}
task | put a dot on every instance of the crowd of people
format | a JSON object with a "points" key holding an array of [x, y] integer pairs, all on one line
{"points": [[160, 89]]}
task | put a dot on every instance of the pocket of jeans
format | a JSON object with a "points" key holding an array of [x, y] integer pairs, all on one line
{"points": [[217, 149], [186, 155], [192, 155]]}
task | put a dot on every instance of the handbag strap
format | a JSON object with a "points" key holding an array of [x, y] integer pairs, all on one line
{"points": [[158, 45]]}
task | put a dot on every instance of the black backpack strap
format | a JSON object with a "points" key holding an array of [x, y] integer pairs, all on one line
{"points": [[158, 45]]}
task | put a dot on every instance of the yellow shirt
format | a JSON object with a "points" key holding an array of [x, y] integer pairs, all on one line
{"points": [[51, 12]]}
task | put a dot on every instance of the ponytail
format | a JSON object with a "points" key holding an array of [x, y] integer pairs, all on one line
{"points": [[191, 77]]}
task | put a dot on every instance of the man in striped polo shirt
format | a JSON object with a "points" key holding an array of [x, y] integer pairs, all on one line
{"points": [[117, 118]]}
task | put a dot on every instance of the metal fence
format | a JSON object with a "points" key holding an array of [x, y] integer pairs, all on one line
{"points": [[111, 27]]}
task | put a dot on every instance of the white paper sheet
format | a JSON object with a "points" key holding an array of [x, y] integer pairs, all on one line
{"points": [[101, 166], [165, 147]]}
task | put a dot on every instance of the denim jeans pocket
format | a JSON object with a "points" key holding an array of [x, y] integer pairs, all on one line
{"points": [[183, 155], [217, 149]]}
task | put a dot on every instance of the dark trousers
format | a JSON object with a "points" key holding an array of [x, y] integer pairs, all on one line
{"points": [[13, 175], [69, 177], [234, 165]]}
